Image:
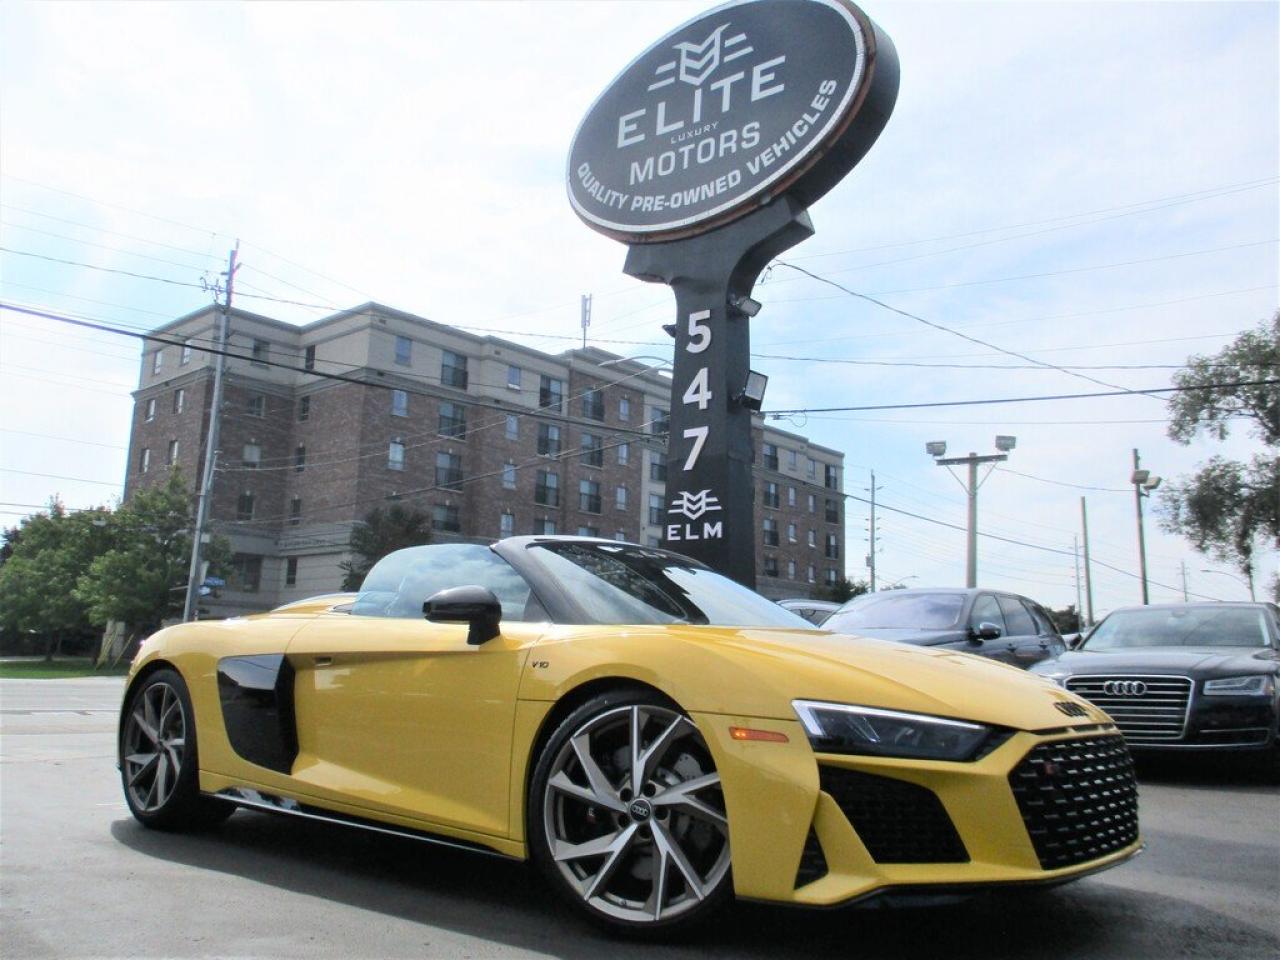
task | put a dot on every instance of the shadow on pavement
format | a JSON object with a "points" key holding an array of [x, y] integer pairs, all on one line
{"points": [[504, 902], [1239, 773]]}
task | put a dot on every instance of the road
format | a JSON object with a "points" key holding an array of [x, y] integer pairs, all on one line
{"points": [[80, 878]]}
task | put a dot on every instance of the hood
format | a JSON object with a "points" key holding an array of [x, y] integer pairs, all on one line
{"points": [[1201, 661]]}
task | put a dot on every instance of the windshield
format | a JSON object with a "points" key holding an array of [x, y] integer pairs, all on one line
{"points": [[1180, 627], [899, 611], [626, 584]]}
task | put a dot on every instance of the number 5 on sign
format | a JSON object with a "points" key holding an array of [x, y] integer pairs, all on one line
{"points": [[699, 331], [699, 435]]}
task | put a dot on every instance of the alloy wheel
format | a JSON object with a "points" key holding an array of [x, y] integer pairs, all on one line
{"points": [[155, 747]]}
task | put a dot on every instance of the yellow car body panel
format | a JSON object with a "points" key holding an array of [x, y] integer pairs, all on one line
{"points": [[403, 722]]}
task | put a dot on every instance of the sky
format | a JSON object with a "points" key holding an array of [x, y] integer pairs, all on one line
{"points": [[1091, 185]]}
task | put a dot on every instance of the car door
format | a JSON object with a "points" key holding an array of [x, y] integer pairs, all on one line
{"points": [[986, 609], [1023, 635], [399, 715], [1049, 643]]}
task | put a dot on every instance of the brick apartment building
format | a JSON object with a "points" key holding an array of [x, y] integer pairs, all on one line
{"points": [[488, 437]]}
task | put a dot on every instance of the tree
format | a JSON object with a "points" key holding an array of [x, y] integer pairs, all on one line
{"points": [[1228, 506], [380, 533], [1067, 620], [844, 590]]}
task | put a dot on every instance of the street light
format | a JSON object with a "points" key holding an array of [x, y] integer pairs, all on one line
{"points": [[1143, 483], [1239, 580], [936, 449]]}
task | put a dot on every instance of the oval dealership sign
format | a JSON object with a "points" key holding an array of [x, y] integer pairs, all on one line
{"points": [[750, 100]]}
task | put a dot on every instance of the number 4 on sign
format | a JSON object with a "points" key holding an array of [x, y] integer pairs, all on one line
{"points": [[699, 435], [698, 391]]}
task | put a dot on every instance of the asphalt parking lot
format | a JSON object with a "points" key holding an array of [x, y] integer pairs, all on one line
{"points": [[80, 878]]}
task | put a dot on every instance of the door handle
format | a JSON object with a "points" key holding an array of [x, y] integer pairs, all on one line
{"points": [[322, 661]]}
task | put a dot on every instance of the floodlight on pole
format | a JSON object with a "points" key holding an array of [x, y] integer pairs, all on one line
{"points": [[936, 449], [1143, 483], [1005, 443], [751, 395]]}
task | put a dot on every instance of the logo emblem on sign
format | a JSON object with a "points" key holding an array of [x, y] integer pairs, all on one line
{"points": [[699, 60], [694, 505]]}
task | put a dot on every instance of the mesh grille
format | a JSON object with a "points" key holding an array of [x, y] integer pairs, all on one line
{"points": [[898, 822], [1078, 799], [813, 863]]}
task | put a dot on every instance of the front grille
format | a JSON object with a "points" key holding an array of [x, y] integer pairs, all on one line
{"points": [[1157, 715], [898, 822], [1078, 799]]}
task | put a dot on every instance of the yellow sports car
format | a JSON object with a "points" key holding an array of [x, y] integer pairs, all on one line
{"points": [[653, 736]]}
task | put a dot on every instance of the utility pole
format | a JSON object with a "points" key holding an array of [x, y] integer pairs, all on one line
{"points": [[1075, 550], [1185, 597], [586, 317], [871, 557], [936, 449], [1088, 576], [205, 496], [1143, 483]]}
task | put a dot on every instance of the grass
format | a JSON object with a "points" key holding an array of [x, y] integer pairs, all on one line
{"points": [[57, 669]]}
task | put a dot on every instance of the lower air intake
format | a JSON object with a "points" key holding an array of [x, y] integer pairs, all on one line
{"points": [[898, 822]]}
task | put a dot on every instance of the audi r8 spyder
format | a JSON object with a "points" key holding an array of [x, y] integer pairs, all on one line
{"points": [[654, 737]]}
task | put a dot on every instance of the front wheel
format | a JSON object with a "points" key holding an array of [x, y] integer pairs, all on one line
{"points": [[158, 765], [627, 818]]}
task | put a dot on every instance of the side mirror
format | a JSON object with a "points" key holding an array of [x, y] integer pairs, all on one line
{"points": [[476, 606], [985, 631]]}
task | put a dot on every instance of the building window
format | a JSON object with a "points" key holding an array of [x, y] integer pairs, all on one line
{"points": [[244, 506], [173, 452], [657, 467], [304, 409], [509, 475], [513, 427], [544, 527], [659, 422], [185, 357], [770, 566], [453, 370], [833, 512], [404, 351], [592, 450], [831, 577], [771, 494], [831, 477], [812, 574], [791, 459], [291, 572], [507, 525], [653, 541], [593, 403], [551, 393], [157, 361], [445, 517], [771, 456], [257, 405], [453, 421], [295, 511], [620, 535], [791, 496], [179, 400], [149, 411], [770, 532], [624, 454], [309, 358], [585, 531], [251, 456], [548, 440], [261, 352], [833, 547], [513, 378], [300, 458], [399, 403], [813, 539], [791, 569], [624, 408], [791, 533], [656, 516], [395, 455], [449, 470], [246, 573], [547, 491], [813, 503], [589, 496], [620, 497]]}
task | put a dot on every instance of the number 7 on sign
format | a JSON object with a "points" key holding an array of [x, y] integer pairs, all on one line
{"points": [[699, 435]]}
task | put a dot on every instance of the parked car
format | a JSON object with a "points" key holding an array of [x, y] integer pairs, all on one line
{"points": [[815, 611], [1003, 626], [1183, 676], [616, 713]]}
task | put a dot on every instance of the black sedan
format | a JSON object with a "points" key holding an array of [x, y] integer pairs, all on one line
{"points": [[1183, 676], [1002, 626]]}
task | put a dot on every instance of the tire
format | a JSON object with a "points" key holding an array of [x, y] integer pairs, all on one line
{"points": [[159, 767], [646, 862]]}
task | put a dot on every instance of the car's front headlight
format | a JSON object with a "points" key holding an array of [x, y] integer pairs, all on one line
{"points": [[1259, 685], [845, 728]]}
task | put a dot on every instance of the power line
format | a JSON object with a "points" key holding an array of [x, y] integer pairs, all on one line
{"points": [[1063, 483], [54, 476]]}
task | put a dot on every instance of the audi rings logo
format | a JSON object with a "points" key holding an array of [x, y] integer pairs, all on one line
{"points": [[1124, 688]]}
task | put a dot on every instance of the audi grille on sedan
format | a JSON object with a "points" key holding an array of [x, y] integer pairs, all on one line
{"points": [[652, 736]]}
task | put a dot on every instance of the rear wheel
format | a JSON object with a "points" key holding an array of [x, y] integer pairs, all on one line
{"points": [[627, 818], [158, 767]]}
